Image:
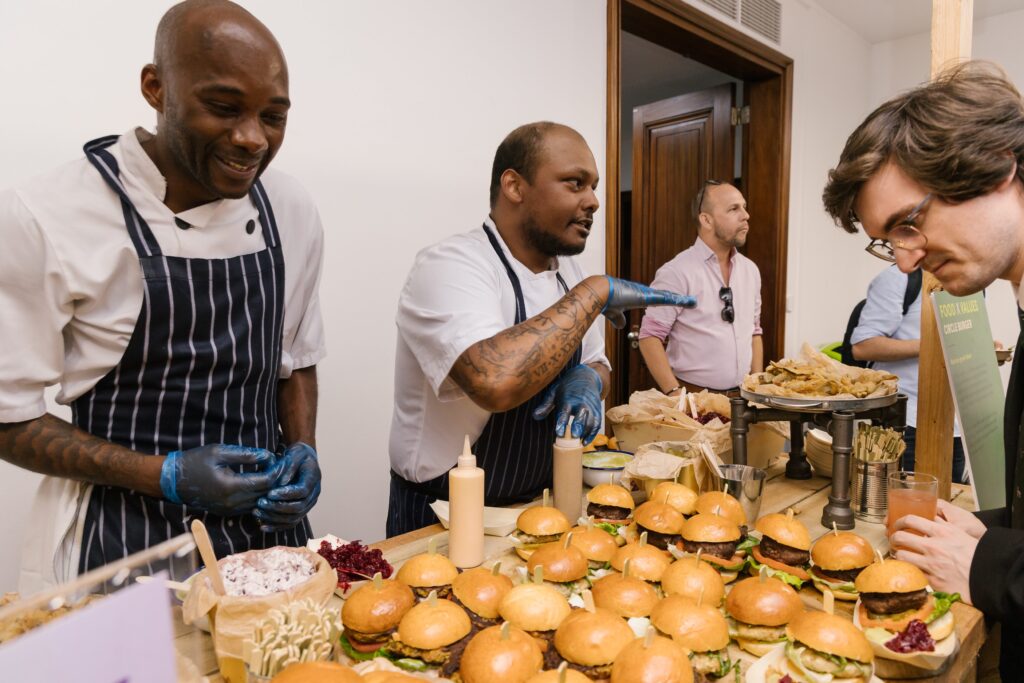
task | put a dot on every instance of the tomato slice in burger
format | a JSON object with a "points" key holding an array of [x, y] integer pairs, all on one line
{"points": [[774, 564]]}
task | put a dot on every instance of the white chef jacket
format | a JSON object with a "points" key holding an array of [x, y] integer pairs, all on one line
{"points": [[71, 285], [457, 294]]}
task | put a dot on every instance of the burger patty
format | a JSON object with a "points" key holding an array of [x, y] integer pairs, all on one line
{"points": [[546, 641], [767, 634], [845, 575], [447, 658], [596, 673], [368, 638], [893, 603], [773, 550], [657, 539], [424, 591], [528, 539], [722, 550], [608, 512], [705, 664]]}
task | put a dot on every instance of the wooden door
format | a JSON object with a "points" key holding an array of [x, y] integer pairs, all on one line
{"points": [[678, 143]]}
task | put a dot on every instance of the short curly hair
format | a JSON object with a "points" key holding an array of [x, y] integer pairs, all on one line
{"points": [[958, 136]]}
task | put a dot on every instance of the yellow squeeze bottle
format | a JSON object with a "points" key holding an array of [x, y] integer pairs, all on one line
{"points": [[466, 511], [568, 474]]}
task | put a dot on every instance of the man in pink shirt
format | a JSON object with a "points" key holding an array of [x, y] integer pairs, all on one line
{"points": [[714, 345]]}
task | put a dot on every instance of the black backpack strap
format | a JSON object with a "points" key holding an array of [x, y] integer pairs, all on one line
{"points": [[914, 280]]}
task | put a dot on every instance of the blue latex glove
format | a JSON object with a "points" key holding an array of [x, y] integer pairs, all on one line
{"points": [[295, 491], [624, 295], [576, 394], [206, 478]]}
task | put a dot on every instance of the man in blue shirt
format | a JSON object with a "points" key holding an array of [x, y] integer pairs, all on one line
{"points": [[892, 341]]}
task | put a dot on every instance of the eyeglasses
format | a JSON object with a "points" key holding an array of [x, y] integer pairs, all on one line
{"points": [[698, 203], [903, 236], [728, 312]]}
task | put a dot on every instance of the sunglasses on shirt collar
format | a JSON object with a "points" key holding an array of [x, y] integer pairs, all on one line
{"points": [[728, 312]]}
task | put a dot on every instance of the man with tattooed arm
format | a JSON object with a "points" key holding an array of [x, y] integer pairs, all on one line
{"points": [[496, 332]]}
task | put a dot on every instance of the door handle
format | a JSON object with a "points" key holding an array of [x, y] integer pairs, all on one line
{"points": [[634, 339]]}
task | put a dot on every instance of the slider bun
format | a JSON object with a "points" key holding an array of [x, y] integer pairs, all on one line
{"points": [[592, 638], [660, 661], [481, 591], [627, 596], [596, 544], [374, 610], [611, 494], [830, 634], [427, 570], [659, 517], [697, 628], [710, 528], [429, 627], [721, 503], [534, 607], [679, 496], [646, 562], [542, 521], [689, 576], [890, 576], [489, 658], [785, 530], [561, 565], [317, 672], [763, 603], [551, 676], [841, 552]]}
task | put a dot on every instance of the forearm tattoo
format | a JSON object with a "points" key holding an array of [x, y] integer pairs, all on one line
{"points": [[525, 358], [49, 445]]}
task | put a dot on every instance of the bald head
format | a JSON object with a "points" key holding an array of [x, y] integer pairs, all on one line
{"points": [[196, 28], [522, 151]]}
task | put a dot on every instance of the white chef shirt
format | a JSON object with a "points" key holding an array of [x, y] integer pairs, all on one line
{"points": [[457, 294], [71, 284]]}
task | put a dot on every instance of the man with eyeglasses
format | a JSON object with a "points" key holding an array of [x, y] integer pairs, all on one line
{"points": [[934, 177], [715, 345]]}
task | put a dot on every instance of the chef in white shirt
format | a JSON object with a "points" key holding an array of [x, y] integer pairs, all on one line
{"points": [[148, 280], [496, 332]]}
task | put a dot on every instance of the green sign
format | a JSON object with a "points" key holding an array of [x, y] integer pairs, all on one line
{"points": [[977, 391]]}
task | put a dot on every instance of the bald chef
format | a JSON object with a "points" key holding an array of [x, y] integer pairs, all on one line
{"points": [[496, 332], [148, 279]]}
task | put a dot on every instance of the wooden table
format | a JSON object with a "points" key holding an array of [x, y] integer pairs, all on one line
{"points": [[806, 497]]}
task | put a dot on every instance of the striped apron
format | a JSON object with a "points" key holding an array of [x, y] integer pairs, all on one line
{"points": [[201, 368], [514, 449]]}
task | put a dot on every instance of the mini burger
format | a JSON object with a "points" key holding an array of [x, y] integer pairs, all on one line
{"points": [[661, 521], [317, 672], [783, 549], [596, 545], [722, 504], [692, 578], [480, 591], [625, 595], [610, 505], [428, 572], [837, 559], [646, 562], [760, 608], [823, 648], [371, 614], [717, 538], [537, 526], [499, 653], [679, 496], [652, 660], [563, 566], [434, 633], [590, 641], [897, 608], [701, 629], [537, 609]]}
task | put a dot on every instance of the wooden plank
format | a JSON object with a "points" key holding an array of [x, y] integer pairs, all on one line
{"points": [[950, 43]]}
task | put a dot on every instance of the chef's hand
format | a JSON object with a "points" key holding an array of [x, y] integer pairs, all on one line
{"points": [[576, 394], [624, 295], [944, 552], [206, 478], [961, 518], [295, 491]]}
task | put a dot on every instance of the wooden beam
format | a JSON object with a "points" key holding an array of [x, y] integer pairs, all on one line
{"points": [[951, 43]]}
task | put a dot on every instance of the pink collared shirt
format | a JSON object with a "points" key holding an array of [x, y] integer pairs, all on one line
{"points": [[704, 349]]}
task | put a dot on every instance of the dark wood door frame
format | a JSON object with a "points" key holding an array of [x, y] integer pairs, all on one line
{"points": [[768, 89]]}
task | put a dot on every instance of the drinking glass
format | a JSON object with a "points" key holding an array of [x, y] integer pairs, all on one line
{"points": [[911, 493]]}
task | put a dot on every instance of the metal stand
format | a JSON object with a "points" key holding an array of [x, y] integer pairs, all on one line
{"points": [[838, 422]]}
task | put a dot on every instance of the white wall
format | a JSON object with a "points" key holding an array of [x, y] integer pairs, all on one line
{"points": [[398, 108]]}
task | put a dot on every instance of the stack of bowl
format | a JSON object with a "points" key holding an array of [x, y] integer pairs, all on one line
{"points": [[818, 449]]}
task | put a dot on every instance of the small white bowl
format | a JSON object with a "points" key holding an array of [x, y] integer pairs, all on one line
{"points": [[594, 475]]}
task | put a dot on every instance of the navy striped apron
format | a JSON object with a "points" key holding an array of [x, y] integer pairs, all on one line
{"points": [[514, 449], [201, 368]]}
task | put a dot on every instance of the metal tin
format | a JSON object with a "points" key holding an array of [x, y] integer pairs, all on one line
{"points": [[869, 489], [820, 405]]}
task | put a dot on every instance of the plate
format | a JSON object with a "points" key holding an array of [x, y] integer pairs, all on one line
{"points": [[897, 663], [759, 669], [497, 521], [822, 404]]}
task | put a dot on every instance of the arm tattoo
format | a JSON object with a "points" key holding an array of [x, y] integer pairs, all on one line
{"points": [[49, 445], [513, 365]]}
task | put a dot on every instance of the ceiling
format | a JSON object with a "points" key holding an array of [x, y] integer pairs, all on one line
{"points": [[881, 20]]}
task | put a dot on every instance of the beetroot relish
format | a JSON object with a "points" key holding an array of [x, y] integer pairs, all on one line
{"points": [[708, 417], [914, 638], [355, 562]]}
